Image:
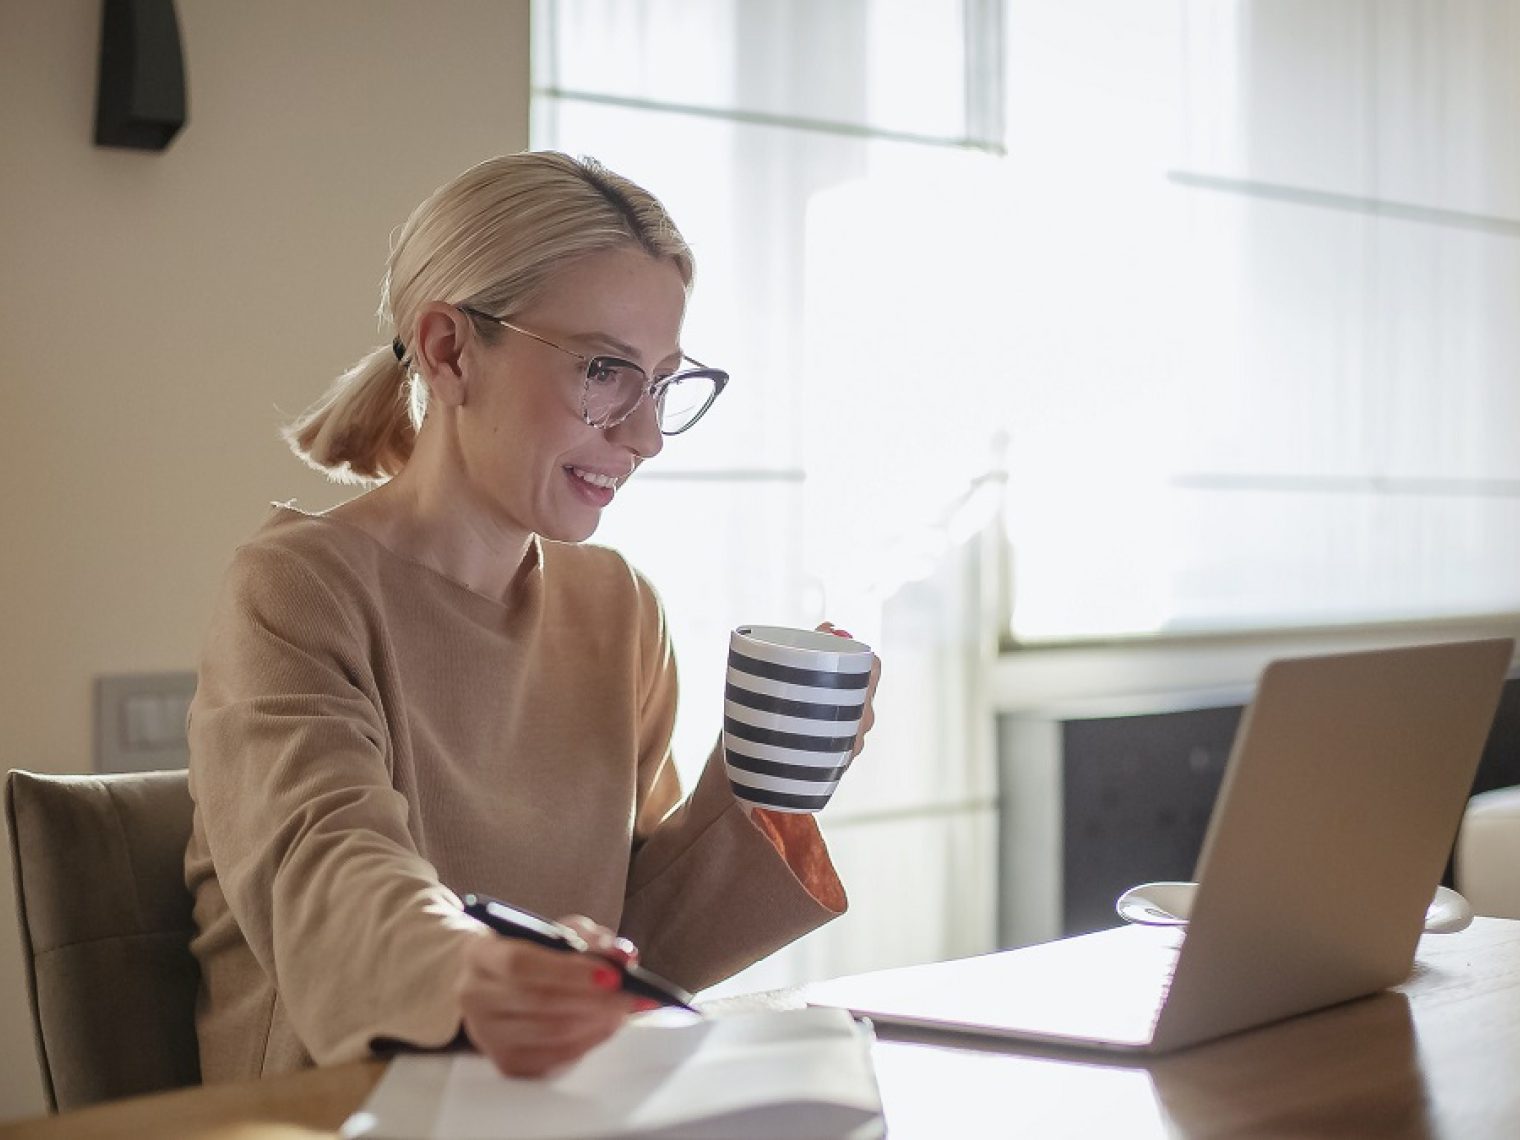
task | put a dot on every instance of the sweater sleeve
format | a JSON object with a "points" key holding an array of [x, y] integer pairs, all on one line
{"points": [[308, 837], [711, 891]]}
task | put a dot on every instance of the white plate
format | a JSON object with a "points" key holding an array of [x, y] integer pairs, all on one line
{"points": [[1169, 904]]}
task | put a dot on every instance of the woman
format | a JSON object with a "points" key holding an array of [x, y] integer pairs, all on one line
{"points": [[436, 688]]}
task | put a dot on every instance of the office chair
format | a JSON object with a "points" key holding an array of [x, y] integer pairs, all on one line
{"points": [[105, 931]]}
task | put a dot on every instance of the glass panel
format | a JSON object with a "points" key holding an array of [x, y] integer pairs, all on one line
{"points": [[743, 233], [1446, 350], [1138, 350], [1257, 558], [1272, 336], [1466, 151], [1329, 430], [892, 65], [1278, 92], [746, 566], [945, 864]]}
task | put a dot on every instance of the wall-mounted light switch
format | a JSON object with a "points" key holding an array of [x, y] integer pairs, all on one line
{"points": [[140, 721]]}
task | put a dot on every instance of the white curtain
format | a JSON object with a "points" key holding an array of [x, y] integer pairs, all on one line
{"points": [[793, 142], [1214, 298], [1269, 370]]}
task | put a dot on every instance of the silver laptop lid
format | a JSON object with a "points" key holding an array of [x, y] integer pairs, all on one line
{"points": [[1338, 810], [1339, 806]]}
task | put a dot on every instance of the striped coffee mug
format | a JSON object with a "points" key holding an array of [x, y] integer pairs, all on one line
{"points": [[791, 710]]}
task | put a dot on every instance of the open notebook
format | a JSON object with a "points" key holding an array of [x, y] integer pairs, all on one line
{"points": [[1340, 802], [800, 1072]]}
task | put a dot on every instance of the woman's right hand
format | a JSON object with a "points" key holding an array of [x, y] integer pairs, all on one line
{"points": [[532, 1010]]}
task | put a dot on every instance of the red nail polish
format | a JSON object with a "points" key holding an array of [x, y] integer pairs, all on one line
{"points": [[606, 978], [842, 633]]}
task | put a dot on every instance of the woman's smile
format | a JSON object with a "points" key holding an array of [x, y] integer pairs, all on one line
{"points": [[595, 487]]}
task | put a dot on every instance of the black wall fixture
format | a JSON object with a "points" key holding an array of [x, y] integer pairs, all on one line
{"points": [[141, 100]]}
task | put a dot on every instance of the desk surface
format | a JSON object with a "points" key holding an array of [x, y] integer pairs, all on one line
{"points": [[1437, 1057]]}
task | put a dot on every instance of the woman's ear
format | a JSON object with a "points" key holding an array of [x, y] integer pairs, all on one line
{"points": [[438, 348]]}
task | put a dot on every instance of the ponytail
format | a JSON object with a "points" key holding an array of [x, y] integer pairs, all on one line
{"points": [[363, 429]]}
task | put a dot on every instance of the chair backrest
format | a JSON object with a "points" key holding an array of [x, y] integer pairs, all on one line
{"points": [[105, 931]]}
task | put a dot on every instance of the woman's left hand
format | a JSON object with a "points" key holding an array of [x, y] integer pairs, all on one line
{"points": [[867, 718]]}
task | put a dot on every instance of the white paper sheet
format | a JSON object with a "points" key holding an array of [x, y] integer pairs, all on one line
{"points": [[794, 1072]]}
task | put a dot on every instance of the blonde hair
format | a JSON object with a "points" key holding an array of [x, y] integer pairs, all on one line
{"points": [[490, 239]]}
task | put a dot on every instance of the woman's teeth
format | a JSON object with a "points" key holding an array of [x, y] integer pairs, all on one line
{"points": [[595, 478]]}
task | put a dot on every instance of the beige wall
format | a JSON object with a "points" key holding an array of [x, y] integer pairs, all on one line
{"points": [[159, 311]]}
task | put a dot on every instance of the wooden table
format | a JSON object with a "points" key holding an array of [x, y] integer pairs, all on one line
{"points": [[1437, 1057]]}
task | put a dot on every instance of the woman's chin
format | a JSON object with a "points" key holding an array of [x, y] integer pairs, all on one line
{"points": [[572, 530]]}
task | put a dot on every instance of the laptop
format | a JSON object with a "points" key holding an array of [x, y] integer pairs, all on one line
{"points": [[1343, 794]]}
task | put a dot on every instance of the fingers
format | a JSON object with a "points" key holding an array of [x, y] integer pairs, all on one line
{"points": [[868, 718], [531, 1009], [603, 942], [535, 1047], [521, 977]]}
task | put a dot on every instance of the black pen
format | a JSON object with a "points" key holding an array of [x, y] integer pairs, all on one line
{"points": [[514, 922]]}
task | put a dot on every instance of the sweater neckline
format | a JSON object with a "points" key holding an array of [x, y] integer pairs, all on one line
{"points": [[528, 571]]}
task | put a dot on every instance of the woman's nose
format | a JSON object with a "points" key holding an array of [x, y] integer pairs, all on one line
{"points": [[641, 430]]}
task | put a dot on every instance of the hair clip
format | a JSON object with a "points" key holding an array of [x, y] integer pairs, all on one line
{"points": [[399, 349]]}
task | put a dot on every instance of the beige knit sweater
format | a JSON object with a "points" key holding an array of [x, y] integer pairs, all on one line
{"points": [[369, 739]]}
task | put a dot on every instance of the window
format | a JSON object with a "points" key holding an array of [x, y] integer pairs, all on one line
{"points": [[1200, 313], [1231, 305], [761, 125], [802, 147]]}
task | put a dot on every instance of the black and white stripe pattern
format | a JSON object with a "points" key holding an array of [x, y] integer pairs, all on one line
{"points": [[793, 705]]}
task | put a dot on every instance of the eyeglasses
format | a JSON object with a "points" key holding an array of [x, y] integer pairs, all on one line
{"points": [[613, 388]]}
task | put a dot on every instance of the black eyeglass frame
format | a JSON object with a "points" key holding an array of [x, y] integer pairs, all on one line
{"points": [[654, 389]]}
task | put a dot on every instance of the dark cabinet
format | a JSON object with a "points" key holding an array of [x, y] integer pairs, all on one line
{"points": [[1096, 798]]}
